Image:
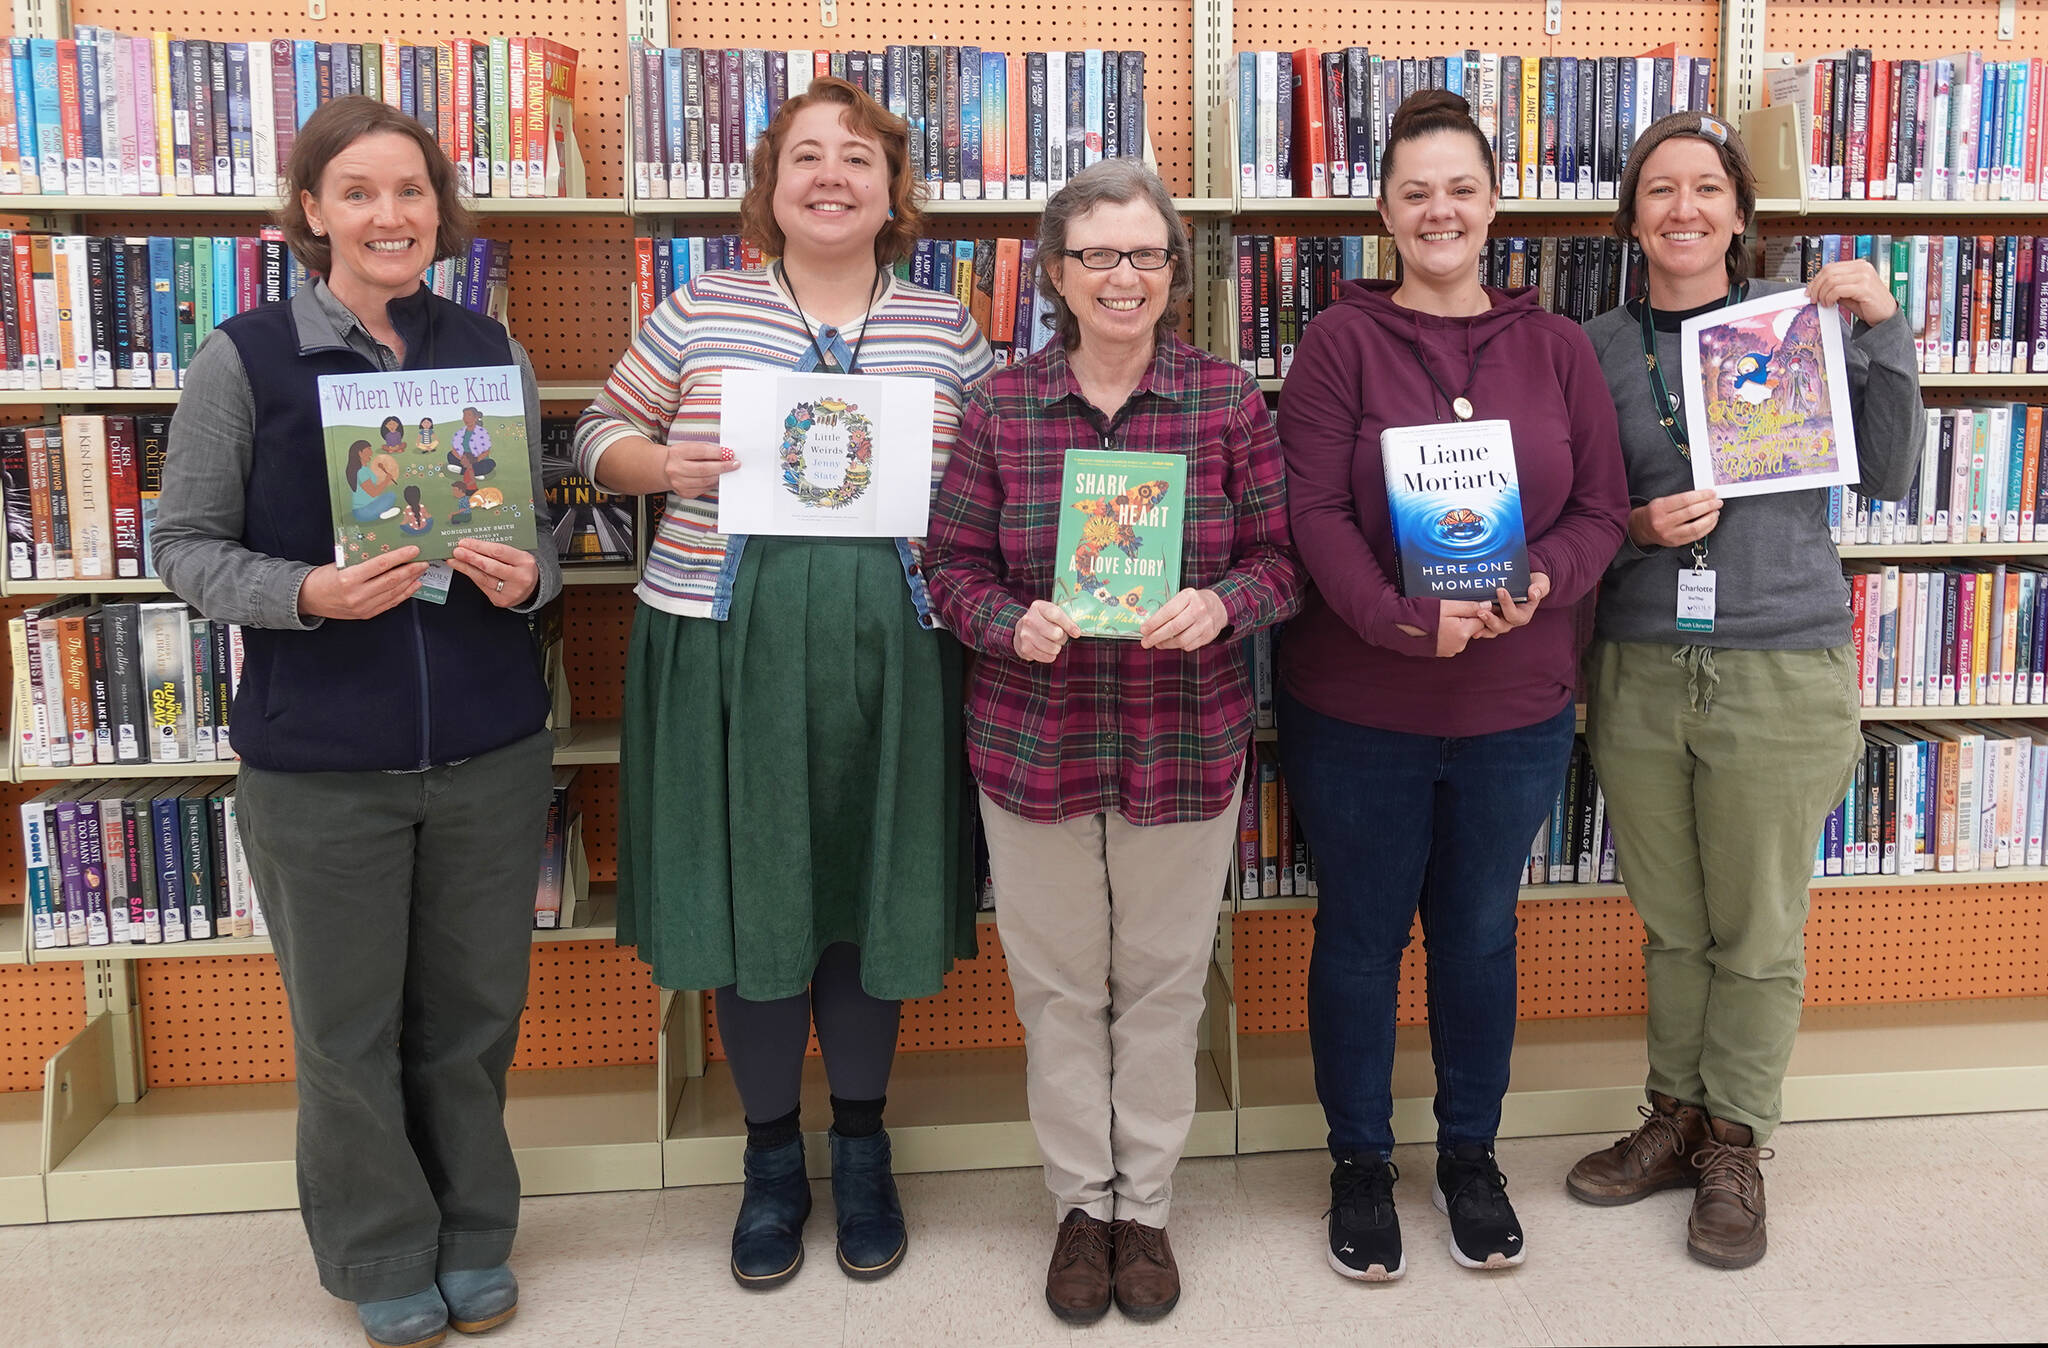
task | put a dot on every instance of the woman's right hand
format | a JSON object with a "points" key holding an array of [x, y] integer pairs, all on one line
{"points": [[363, 590], [694, 467], [1458, 623], [1043, 632], [1674, 521]]}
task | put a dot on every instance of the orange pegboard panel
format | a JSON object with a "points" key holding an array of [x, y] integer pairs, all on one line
{"points": [[1164, 32], [1893, 29], [40, 1009], [218, 1021], [975, 1010], [1591, 27]]}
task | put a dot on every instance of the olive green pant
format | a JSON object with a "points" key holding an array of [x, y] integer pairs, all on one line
{"points": [[1720, 768]]}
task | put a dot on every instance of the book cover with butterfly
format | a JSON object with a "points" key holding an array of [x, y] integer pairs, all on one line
{"points": [[1121, 520], [1455, 502]]}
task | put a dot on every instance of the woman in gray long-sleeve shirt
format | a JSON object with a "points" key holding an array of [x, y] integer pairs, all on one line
{"points": [[1722, 711]]}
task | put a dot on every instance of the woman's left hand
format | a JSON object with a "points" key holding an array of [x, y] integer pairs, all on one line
{"points": [[505, 574], [1856, 286], [1187, 622], [1506, 615]]}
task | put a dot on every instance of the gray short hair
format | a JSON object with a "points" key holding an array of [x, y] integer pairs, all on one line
{"points": [[1111, 182]]}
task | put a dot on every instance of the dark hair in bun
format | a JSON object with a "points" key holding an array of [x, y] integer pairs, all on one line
{"points": [[1426, 112]]}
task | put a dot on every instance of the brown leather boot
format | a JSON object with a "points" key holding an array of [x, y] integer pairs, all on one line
{"points": [[1655, 1157], [1077, 1283], [1727, 1225], [1147, 1279]]}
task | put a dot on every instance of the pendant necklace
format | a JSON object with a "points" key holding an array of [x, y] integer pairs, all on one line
{"points": [[826, 364]]}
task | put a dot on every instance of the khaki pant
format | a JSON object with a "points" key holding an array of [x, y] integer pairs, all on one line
{"points": [[1108, 929], [1720, 768]]}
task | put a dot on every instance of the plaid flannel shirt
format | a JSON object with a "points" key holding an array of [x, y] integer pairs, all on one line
{"points": [[1158, 736]]}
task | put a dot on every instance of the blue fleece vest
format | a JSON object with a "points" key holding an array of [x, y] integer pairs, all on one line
{"points": [[418, 684]]}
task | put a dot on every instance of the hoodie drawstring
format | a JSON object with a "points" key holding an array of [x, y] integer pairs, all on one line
{"points": [[1701, 679]]}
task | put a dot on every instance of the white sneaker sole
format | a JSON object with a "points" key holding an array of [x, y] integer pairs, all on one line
{"points": [[1371, 1273], [1496, 1260]]}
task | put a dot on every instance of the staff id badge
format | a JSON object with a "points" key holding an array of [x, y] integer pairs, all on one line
{"points": [[1696, 600]]}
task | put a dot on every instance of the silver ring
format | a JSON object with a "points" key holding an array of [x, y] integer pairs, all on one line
{"points": [[501, 587]]}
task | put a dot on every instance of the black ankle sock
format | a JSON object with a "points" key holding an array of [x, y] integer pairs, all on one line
{"points": [[858, 1118], [775, 1132]]}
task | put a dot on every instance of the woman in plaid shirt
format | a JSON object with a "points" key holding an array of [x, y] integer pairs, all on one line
{"points": [[1109, 770]]}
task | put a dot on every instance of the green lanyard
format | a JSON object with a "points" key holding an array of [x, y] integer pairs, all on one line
{"points": [[1667, 406]]}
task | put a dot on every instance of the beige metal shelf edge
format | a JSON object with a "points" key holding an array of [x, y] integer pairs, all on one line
{"points": [[571, 575], [229, 1148], [551, 391], [57, 204], [1586, 1076], [1927, 552], [704, 206], [601, 926], [21, 1150], [2010, 875], [961, 1110], [13, 937]]}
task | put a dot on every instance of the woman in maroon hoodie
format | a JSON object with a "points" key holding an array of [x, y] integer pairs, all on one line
{"points": [[1425, 739]]}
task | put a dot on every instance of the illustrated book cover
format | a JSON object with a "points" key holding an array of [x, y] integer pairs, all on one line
{"points": [[1455, 502], [427, 458], [1767, 397], [826, 455], [1121, 522]]}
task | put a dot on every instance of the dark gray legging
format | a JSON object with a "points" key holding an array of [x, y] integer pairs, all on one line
{"points": [[764, 1041]]}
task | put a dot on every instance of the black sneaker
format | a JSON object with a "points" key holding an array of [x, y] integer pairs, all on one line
{"points": [[1365, 1235], [1472, 1192]]}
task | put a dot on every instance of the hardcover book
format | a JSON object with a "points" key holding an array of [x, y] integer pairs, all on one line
{"points": [[1121, 523], [427, 458], [1455, 502], [1767, 397]]}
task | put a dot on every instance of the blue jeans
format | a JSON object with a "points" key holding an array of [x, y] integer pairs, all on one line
{"points": [[1402, 821]]}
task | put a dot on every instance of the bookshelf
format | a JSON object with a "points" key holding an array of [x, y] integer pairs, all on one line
{"points": [[99, 1141]]}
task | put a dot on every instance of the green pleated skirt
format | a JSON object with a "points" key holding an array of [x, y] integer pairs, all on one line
{"points": [[794, 777]]}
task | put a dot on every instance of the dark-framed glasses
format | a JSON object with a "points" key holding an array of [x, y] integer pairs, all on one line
{"points": [[1106, 259]]}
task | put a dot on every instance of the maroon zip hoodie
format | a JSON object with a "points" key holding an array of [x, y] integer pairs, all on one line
{"points": [[1358, 371]]}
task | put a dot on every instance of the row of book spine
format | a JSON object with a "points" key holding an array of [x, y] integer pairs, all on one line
{"points": [[1976, 303], [79, 496], [1946, 797], [121, 683], [87, 311], [1938, 128], [1951, 636], [103, 113], [984, 125], [1314, 123], [1979, 480], [130, 862], [994, 278], [1284, 281], [1575, 844]]}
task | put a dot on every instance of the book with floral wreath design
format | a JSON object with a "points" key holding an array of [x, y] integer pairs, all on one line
{"points": [[826, 455]]}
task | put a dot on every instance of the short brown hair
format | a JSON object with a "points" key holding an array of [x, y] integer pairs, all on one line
{"points": [[338, 124], [1701, 126], [1111, 182], [863, 117], [1426, 112]]}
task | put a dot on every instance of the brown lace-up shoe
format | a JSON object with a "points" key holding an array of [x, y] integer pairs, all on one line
{"points": [[1077, 1284], [1147, 1279], [1656, 1156], [1727, 1225]]}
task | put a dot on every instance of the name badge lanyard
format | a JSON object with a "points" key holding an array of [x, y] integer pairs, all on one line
{"points": [[1696, 588]]}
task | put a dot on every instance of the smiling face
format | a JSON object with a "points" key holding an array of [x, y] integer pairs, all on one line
{"points": [[376, 206], [1686, 216], [831, 187], [1121, 307], [1438, 203]]}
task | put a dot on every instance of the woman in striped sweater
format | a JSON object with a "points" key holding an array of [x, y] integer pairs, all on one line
{"points": [[792, 825]]}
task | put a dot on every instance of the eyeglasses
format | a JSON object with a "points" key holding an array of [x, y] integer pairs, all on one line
{"points": [[1106, 259]]}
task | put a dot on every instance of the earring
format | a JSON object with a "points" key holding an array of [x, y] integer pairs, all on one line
{"points": [[892, 212], [319, 233]]}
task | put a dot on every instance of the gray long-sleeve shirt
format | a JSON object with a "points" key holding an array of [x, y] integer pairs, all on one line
{"points": [[1778, 578], [197, 539]]}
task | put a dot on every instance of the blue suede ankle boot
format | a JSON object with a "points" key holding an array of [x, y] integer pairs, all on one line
{"points": [[768, 1238], [871, 1235], [479, 1298], [416, 1321]]}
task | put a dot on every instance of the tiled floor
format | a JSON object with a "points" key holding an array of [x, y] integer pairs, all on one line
{"points": [[1904, 1229]]}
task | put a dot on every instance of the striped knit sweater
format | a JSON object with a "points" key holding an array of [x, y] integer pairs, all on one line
{"points": [[666, 387]]}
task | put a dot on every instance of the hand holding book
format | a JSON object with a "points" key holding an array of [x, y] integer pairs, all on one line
{"points": [[1043, 632], [505, 574], [1187, 622], [1674, 521], [363, 590], [1854, 285], [1461, 622]]}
